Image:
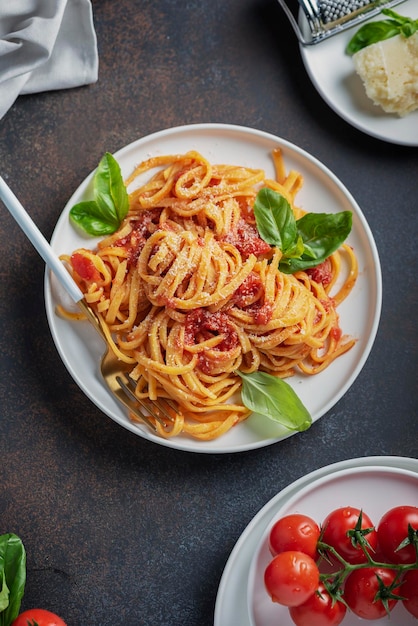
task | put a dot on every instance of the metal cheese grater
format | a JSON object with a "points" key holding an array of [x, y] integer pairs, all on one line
{"points": [[316, 20]]}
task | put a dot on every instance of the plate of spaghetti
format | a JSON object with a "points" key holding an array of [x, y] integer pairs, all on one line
{"points": [[192, 293]]}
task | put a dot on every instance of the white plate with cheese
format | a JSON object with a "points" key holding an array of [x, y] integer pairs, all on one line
{"points": [[333, 74]]}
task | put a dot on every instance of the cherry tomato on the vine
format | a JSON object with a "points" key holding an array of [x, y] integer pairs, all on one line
{"points": [[336, 528], [291, 577], [393, 529], [318, 610], [38, 617], [363, 594], [409, 591], [294, 532]]}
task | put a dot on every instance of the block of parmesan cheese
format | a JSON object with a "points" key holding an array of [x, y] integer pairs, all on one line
{"points": [[389, 71]]}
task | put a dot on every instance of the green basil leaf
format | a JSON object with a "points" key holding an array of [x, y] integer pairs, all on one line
{"points": [[271, 396], [275, 220], [372, 32], [402, 20], [109, 189], [4, 593], [90, 217], [297, 249], [13, 576], [322, 234], [104, 214]]}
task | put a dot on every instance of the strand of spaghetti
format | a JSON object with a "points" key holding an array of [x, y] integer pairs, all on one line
{"points": [[324, 360], [279, 164], [191, 381], [212, 430], [352, 277], [193, 181], [152, 163], [117, 293], [170, 370], [293, 183], [280, 188], [111, 343], [192, 400], [134, 300]]}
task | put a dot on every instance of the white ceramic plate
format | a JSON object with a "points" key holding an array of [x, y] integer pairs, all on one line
{"points": [[357, 486], [332, 73], [80, 348], [233, 599]]}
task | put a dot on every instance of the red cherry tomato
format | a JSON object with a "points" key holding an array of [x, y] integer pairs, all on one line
{"points": [[361, 592], [393, 529], [291, 577], [409, 590], [38, 617], [318, 610], [294, 532], [336, 527]]}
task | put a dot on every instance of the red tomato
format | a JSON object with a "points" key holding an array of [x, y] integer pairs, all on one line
{"points": [[291, 577], [336, 527], [409, 590], [318, 610], [322, 273], [294, 532], [85, 268], [362, 588], [393, 529], [38, 617]]}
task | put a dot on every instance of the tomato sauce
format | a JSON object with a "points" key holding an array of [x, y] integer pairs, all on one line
{"points": [[85, 268], [249, 291], [142, 228], [201, 323], [247, 240], [322, 273]]}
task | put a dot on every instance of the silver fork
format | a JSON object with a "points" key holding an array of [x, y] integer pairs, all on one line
{"points": [[114, 371], [116, 374]]}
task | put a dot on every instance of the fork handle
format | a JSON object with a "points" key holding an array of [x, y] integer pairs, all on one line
{"points": [[38, 241]]}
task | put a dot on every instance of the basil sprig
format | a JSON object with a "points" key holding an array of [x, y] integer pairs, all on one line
{"points": [[271, 396], [372, 32], [306, 242], [12, 577], [104, 214]]}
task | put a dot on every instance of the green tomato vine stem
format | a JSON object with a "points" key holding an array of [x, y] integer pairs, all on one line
{"points": [[334, 580]]}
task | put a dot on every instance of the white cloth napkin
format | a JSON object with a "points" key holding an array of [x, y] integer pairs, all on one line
{"points": [[45, 45]]}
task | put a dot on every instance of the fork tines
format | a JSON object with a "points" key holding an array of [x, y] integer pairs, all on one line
{"points": [[159, 410]]}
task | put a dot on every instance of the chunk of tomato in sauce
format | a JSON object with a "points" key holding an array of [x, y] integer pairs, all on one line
{"points": [[247, 240], [322, 273], [85, 268]]}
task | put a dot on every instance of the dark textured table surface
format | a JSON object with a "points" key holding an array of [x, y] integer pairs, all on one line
{"points": [[119, 530]]}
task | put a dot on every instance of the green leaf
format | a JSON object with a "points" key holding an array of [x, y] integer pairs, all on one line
{"points": [[271, 396], [104, 214], [109, 190], [13, 577], [296, 250], [305, 242], [89, 217], [275, 220], [372, 32], [322, 234], [4, 593]]}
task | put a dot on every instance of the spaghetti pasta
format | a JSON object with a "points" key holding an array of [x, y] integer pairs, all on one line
{"points": [[190, 293]]}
